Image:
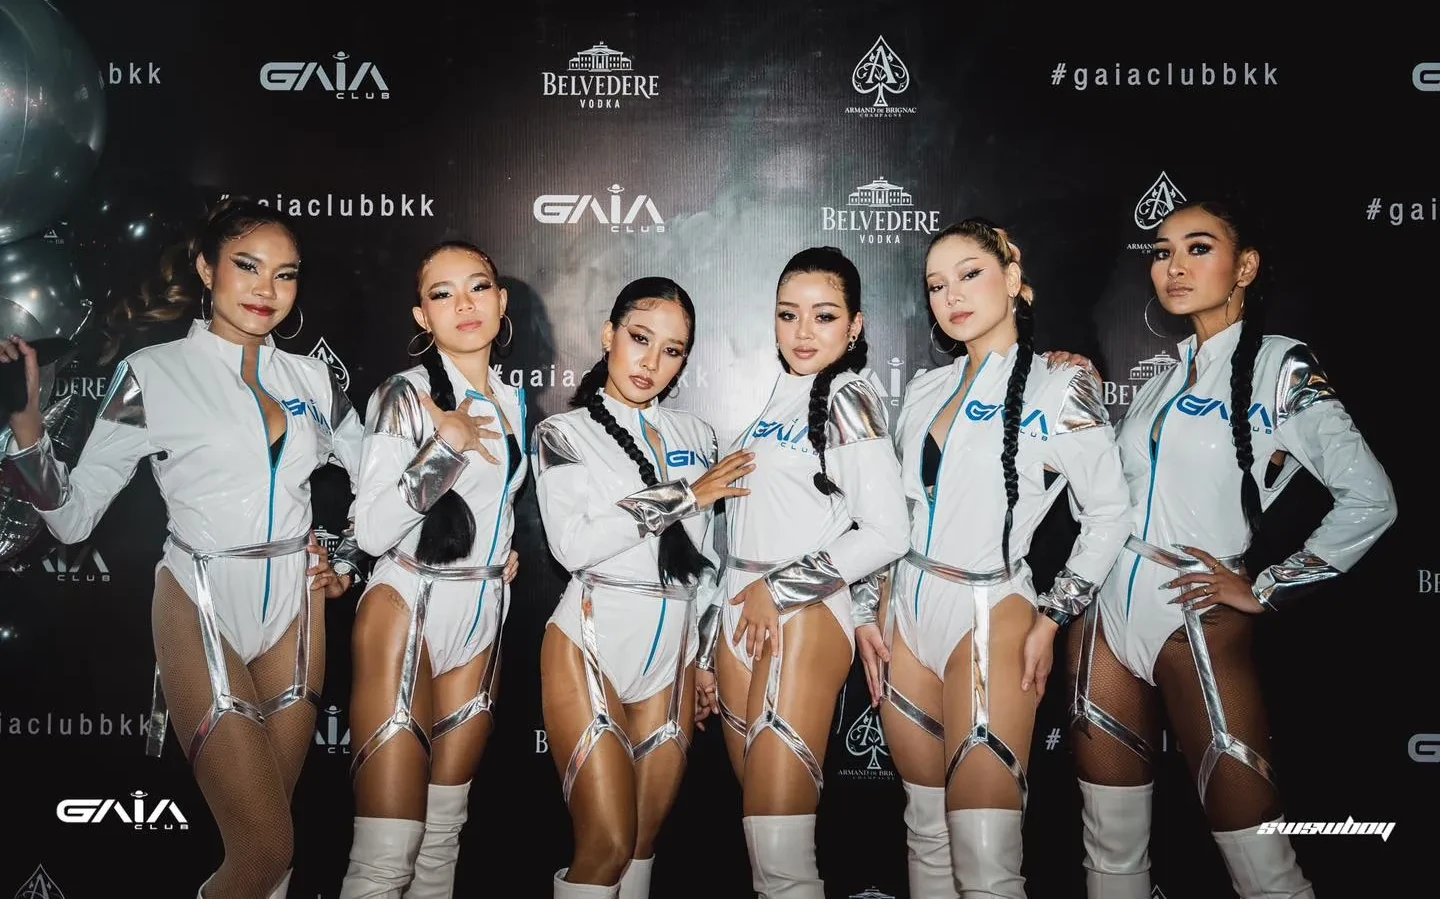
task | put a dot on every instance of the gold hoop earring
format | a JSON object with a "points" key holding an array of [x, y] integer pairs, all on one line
{"points": [[298, 328], [504, 318], [422, 350], [942, 350]]}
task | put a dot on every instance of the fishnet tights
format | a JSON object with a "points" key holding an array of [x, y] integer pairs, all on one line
{"points": [[1237, 796], [246, 771]]}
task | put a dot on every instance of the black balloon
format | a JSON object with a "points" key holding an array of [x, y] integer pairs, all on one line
{"points": [[52, 116]]}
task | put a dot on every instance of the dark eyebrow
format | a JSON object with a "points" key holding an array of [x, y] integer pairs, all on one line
{"points": [[284, 265], [960, 263]]}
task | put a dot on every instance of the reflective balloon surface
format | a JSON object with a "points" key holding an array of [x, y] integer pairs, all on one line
{"points": [[52, 116]]}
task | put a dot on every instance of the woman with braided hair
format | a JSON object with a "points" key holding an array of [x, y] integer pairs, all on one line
{"points": [[233, 428], [824, 509], [435, 505], [1206, 447], [987, 445], [626, 487]]}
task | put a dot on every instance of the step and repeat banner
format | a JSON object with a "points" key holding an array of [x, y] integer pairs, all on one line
{"points": [[585, 145]]}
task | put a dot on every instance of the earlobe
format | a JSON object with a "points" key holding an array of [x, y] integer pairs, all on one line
{"points": [[202, 268], [419, 316]]}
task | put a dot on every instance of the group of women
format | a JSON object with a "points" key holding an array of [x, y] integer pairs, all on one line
{"points": [[740, 584]]}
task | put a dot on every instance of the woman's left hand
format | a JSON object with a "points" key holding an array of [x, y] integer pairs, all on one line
{"points": [[759, 619], [1219, 585], [707, 697], [334, 586], [512, 567], [1039, 655], [1056, 358]]}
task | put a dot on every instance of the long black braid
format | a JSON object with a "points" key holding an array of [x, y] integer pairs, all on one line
{"points": [[828, 261], [994, 241], [679, 560], [448, 532], [1242, 360]]}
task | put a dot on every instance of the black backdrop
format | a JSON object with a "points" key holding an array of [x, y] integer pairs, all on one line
{"points": [[751, 138]]}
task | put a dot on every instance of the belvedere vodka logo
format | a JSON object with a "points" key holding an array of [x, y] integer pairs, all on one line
{"points": [[880, 72], [1117, 394], [878, 213], [363, 82], [325, 354], [636, 216], [1157, 202], [600, 78]]}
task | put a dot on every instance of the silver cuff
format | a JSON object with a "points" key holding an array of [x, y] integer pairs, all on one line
{"points": [[1282, 582], [37, 476], [865, 598], [710, 621], [434, 470], [808, 580], [1070, 594], [657, 508], [1083, 406], [349, 559]]}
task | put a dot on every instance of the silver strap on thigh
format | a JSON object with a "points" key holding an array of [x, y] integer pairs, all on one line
{"points": [[1222, 742], [769, 714], [903, 704], [1084, 711], [403, 718], [980, 734], [223, 701], [602, 721]]}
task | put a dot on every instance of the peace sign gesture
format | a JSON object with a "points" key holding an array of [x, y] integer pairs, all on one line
{"points": [[1219, 585]]}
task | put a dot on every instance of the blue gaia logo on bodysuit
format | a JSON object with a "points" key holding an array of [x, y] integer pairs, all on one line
{"points": [[1200, 407], [1033, 423], [299, 409], [675, 459], [792, 435]]}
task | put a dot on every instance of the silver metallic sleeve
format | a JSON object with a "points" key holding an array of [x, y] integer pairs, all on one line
{"points": [[710, 621], [855, 415], [1084, 404], [434, 470], [1280, 584], [657, 508], [865, 597], [1301, 383], [806, 581], [396, 410], [1068, 597], [37, 475], [552, 448]]}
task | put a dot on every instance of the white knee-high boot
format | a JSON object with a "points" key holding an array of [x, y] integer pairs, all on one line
{"points": [[1262, 865], [446, 810], [928, 840], [782, 856], [283, 888], [565, 888], [635, 883], [382, 857], [1117, 839], [986, 847]]}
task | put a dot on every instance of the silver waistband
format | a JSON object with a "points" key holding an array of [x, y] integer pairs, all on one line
{"points": [[1177, 561], [445, 573], [950, 573], [686, 592], [752, 566]]}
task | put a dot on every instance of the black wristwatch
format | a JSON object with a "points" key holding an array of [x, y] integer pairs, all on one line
{"points": [[1056, 615]]}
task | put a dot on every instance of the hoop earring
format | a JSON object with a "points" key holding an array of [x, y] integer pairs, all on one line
{"points": [[298, 328], [205, 292], [943, 351], [422, 350], [504, 318], [1146, 317]]}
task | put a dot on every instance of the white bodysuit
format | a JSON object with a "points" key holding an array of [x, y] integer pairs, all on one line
{"points": [[1185, 487], [1063, 428], [405, 468], [800, 540]]}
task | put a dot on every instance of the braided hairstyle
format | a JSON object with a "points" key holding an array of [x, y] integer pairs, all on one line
{"points": [[168, 295], [846, 278], [994, 241], [679, 560], [448, 532], [1242, 359]]}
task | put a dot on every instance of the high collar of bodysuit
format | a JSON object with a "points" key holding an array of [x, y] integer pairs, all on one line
{"points": [[202, 337], [628, 414], [1219, 346]]}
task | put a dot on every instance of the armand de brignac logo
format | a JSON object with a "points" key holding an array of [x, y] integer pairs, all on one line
{"points": [[880, 71], [323, 352]]}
